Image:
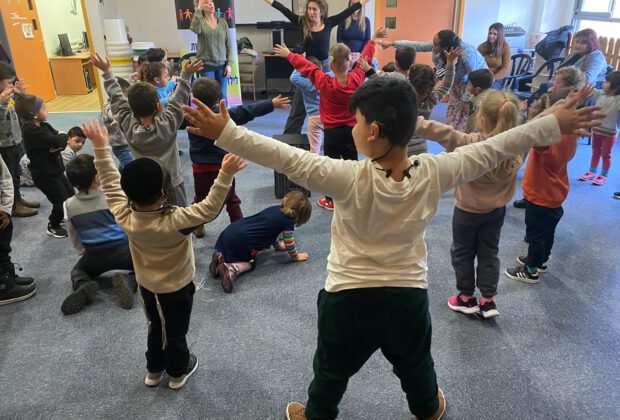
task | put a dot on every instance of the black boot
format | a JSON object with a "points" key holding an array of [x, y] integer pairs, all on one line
{"points": [[520, 204], [83, 295], [10, 291], [22, 281]]}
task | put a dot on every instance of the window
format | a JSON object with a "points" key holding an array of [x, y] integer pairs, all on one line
{"points": [[601, 15]]}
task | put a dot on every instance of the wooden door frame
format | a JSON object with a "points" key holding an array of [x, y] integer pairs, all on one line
{"points": [[91, 49]]}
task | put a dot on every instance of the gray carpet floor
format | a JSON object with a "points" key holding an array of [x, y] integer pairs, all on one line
{"points": [[553, 353]]}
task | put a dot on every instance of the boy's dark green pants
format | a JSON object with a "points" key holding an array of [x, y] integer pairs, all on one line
{"points": [[353, 324]]}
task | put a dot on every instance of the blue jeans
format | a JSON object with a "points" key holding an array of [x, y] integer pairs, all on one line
{"points": [[217, 73], [123, 154]]}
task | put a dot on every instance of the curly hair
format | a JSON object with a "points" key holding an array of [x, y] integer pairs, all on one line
{"points": [[422, 78]]}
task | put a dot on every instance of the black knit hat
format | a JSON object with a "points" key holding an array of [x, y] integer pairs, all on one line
{"points": [[142, 181]]}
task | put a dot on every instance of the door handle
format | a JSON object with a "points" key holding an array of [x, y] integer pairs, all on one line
{"points": [[34, 25]]}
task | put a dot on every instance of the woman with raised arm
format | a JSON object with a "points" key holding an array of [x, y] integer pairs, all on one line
{"points": [[470, 60], [213, 39], [316, 27], [496, 53]]}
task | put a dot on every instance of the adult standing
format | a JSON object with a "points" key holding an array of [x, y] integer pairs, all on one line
{"points": [[470, 60], [588, 57], [214, 48], [354, 32], [496, 53], [316, 27]]}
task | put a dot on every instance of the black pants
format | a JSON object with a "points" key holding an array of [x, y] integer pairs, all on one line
{"points": [[353, 324], [476, 236], [57, 189], [540, 224], [297, 115], [94, 264], [12, 156], [338, 143], [6, 235], [168, 316]]}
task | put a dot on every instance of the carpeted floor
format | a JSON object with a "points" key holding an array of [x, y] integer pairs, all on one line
{"points": [[552, 354]]}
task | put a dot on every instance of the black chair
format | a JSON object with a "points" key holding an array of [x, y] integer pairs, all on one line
{"points": [[520, 64], [550, 66]]}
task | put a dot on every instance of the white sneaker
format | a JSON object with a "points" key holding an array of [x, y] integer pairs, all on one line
{"points": [[177, 383], [153, 379]]}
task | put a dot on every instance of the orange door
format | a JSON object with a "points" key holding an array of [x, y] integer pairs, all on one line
{"points": [[21, 22], [415, 20]]}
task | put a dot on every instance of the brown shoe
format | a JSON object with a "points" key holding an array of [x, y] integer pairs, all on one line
{"points": [[19, 210], [216, 260], [229, 273], [199, 232], [442, 406], [28, 203], [295, 411]]}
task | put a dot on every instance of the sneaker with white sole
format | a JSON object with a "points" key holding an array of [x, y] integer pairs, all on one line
{"points": [[57, 232], [326, 203], [295, 411], [488, 309], [154, 379], [520, 273], [469, 307], [192, 365], [588, 176], [541, 268]]}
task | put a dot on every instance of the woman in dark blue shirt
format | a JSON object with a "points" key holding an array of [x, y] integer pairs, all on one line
{"points": [[355, 30]]}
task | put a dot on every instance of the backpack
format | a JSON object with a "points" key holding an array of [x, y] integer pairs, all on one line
{"points": [[244, 43], [554, 43]]}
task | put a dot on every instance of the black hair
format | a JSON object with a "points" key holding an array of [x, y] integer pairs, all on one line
{"points": [[422, 78], [448, 39], [6, 71], [81, 171], [142, 180], [143, 100], [614, 82], [389, 67], [25, 106], [390, 103], [154, 54], [481, 78], [76, 132], [123, 83], [207, 91], [404, 57]]}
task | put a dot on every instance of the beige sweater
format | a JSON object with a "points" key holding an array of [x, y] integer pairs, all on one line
{"points": [[379, 224], [160, 241], [484, 194]]}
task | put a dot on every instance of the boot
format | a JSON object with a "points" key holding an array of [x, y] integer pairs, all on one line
{"points": [[11, 292], [83, 295], [19, 210], [123, 292], [199, 232], [28, 203], [216, 260], [228, 273], [22, 281]]}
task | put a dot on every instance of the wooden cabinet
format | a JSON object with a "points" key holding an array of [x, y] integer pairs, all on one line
{"points": [[73, 75]]}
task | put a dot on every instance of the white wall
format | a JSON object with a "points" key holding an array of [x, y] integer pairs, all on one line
{"points": [[56, 18]]}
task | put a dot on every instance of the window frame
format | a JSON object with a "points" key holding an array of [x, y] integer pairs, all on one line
{"points": [[597, 16]]}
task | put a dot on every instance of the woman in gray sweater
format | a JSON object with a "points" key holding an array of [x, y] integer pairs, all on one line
{"points": [[213, 40]]}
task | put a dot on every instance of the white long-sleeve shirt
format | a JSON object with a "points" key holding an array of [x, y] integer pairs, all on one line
{"points": [[379, 224]]}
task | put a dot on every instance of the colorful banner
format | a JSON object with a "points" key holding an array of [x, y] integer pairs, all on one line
{"points": [[225, 9]]}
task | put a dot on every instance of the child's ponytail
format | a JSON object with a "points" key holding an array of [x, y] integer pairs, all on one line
{"points": [[500, 111], [149, 71]]}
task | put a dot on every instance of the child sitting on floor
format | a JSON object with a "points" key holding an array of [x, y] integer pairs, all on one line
{"points": [[375, 294], [238, 245], [151, 131], [43, 145], [101, 243], [207, 158], [161, 248], [480, 205]]}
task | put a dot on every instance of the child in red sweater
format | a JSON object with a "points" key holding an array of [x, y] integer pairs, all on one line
{"points": [[335, 93]]}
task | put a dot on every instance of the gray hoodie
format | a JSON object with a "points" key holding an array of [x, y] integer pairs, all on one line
{"points": [[10, 131], [158, 140]]}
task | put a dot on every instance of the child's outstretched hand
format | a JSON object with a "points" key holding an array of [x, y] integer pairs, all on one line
{"points": [[206, 123], [363, 63], [573, 121], [281, 51], [21, 86], [98, 62], [381, 33], [385, 44], [7, 94], [97, 135], [280, 102], [233, 164], [195, 66], [302, 256], [452, 56]]}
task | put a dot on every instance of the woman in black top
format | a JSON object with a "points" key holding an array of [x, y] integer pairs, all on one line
{"points": [[316, 28]]}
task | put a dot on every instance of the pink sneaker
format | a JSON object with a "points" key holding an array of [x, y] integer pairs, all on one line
{"points": [[326, 204], [588, 176], [470, 307], [599, 180]]}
